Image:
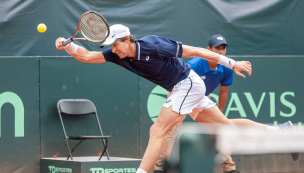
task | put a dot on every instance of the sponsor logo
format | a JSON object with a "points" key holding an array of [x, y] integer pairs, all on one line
{"points": [[54, 169], [167, 101], [203, 77], [15, 100], [236, 103], [113, 170], [219, 38], [113, 35]]}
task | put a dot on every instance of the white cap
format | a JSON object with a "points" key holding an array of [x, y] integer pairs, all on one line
{"points": [[116, 31]]}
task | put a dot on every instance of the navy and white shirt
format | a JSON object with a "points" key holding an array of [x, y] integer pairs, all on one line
{"points": [[157, 59], [212, 78]]}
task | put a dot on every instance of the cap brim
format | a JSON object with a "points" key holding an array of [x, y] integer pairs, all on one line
{"points": [[109, 42], [220, 43]]}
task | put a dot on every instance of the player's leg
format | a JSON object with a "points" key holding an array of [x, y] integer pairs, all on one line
{"points": [[184, 98], [167, 119], [247, 122], [167, 148], [214, 116]]}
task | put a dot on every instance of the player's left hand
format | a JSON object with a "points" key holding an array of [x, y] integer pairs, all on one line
{"points": [[240, 66]]}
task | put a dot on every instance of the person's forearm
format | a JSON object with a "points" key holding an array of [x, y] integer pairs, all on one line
{"points": [[222, 102], [222, 98], [83, 55], [189, 52]]}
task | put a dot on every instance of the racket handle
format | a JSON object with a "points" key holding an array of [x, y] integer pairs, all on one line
{"points": [[66, 42]]}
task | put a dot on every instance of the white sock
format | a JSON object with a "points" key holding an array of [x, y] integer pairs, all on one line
{"points": [[272, 129], [140, 171]]}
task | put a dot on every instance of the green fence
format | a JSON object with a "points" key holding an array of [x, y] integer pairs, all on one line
{"points": [[127, 104]]}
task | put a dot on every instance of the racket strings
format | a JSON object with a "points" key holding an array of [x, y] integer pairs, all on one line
{"points": [[93, 27]]}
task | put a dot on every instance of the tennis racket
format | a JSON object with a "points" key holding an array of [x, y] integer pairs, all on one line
{"points": [[92, 26]]}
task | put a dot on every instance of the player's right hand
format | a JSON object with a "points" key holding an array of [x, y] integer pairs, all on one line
{"points": [[58, 43]]}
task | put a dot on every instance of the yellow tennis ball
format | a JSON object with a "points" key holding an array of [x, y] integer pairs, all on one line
{"points": [[41, 28]]}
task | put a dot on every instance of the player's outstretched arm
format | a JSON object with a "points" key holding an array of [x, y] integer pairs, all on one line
{"points": [[80, 53], [237, 66]]}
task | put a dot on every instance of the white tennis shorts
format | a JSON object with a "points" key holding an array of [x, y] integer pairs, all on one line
{"points": [[188, 96]]}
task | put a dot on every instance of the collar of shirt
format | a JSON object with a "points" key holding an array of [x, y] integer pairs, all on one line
{"points": [[207, 69], [137, 56]]}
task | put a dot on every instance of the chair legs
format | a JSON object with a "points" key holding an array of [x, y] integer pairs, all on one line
{"points": [[75, 148], [105, 144]]}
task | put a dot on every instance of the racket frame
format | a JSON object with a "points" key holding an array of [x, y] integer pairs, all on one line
{"points": [[71, 39]]}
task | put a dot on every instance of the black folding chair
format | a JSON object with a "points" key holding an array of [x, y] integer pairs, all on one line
{"points": [[78, 108]]}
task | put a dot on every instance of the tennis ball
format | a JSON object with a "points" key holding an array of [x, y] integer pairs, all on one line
{"points": [[41, 28]]}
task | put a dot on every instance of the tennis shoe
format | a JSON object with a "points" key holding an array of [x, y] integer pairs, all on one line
{"points": [[288, 127]]}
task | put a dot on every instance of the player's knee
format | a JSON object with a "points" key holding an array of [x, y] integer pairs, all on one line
{"points": [[156, 131]]}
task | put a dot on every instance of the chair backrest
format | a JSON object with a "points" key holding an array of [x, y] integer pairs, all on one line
{"points": [[76, 106]]}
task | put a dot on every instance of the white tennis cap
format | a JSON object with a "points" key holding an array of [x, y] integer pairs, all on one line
{"points": [[116, 31]]}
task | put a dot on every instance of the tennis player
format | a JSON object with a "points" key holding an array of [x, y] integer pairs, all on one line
{"points": [[213, 75], [158, 60]]}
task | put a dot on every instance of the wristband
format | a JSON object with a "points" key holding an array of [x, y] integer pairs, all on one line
{"points": [[227, 62], [72, 48]]}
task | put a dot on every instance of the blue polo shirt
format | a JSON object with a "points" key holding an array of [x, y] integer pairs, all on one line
{"points": [[212, 78], [157, 59]]}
